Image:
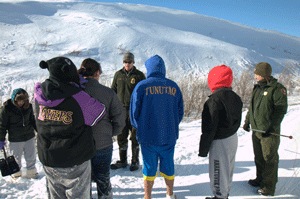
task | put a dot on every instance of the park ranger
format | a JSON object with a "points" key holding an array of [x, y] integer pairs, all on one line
{"points": [[267, 108], [123, 84]]}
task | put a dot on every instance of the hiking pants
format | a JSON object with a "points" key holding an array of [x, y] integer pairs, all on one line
{"points": [[266, 160], [123, 137]]}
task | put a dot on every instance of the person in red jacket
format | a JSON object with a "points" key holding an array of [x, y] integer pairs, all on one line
{"points": [[221, 118]]}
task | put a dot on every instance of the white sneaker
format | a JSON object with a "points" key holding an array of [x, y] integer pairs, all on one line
{"points": [[31, 174], [171, 197]]}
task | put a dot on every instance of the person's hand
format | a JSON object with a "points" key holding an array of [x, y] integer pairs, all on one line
{"points": [[246, 127], [268, 132], [2, 144]]}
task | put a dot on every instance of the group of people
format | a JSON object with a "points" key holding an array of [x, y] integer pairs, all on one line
{"points": [[76, 118]]}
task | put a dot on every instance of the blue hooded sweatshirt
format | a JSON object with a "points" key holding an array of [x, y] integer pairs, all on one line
{"points": [[156, 106]]}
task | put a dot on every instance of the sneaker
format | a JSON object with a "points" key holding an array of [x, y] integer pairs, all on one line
{"points": [[118, 165], [32, 174], [134, 166], [254, 183], [171, 197], [263, 192]]}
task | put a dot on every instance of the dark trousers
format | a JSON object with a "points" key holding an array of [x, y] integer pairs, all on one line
{"points": [[266, 160], [101, 171], [123, 137]]}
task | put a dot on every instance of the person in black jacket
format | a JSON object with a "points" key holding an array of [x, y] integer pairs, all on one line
{"points": [[65, 114], [221, 118], [111, 125], [17, 119]]}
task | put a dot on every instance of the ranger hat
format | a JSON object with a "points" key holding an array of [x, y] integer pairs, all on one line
{"points": [[263, 69], [128, 57]]}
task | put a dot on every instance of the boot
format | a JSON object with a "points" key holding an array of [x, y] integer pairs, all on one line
{"points": [[31, 174], [264, 192], [135, 163], [122, 163], [254, 183]]}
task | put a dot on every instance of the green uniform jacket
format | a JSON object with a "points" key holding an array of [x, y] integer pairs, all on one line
{"points": [[269, 108], [124, 83]]}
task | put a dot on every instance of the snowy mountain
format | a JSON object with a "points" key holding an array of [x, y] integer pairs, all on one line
{"points": [[188, 42]]}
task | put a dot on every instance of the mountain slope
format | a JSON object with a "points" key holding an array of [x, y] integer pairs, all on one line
{"points": [[188, 42]]}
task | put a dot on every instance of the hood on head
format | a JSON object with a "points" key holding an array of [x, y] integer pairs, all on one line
{"points": [[38, 95], [219, 76], [20, 94], [61, 69], [155, 66]]}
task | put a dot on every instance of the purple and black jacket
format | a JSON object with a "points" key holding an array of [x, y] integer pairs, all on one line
{"points": [[64, 115]]}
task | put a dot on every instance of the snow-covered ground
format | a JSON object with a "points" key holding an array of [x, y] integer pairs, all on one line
{"points": [[191, 171]]}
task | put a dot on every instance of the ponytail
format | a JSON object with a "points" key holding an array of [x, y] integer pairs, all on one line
{"points": [[89, 67]]}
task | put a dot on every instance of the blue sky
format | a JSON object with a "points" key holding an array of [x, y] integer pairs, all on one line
{"points": [[279, 15]]}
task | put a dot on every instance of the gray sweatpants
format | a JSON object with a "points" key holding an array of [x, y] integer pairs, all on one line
{"points": [[72, 182], [221, 165], [28, 147]]}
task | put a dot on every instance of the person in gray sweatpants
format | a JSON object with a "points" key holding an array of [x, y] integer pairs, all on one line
{"points": [[64, 181], [221, 118]]}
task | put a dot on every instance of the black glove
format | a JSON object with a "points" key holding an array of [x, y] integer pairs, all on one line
{"points": [[268, 132], [246, 127]]}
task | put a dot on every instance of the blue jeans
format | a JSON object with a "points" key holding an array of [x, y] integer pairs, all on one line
{"points": [[101, 171]]}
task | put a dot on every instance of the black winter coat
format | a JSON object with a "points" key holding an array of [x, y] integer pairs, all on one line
{"points": [[64, 118], [221, 117], [20, 124]]}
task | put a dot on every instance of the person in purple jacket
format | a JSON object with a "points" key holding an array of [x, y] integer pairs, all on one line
{"points": [[156, 109], [64, 116]]}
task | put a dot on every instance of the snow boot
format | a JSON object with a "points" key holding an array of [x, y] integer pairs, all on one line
{"points": [[135, 163], [263, 192], [122, 163], [32, 174], [109, 196], [254, 183]]}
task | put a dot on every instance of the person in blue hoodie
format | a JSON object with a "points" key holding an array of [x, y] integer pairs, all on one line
{"points": [[156, 109], [64, 117]]}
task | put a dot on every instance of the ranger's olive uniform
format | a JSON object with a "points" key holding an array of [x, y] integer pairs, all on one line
{"points": [[267, 109], [123, 84]]}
